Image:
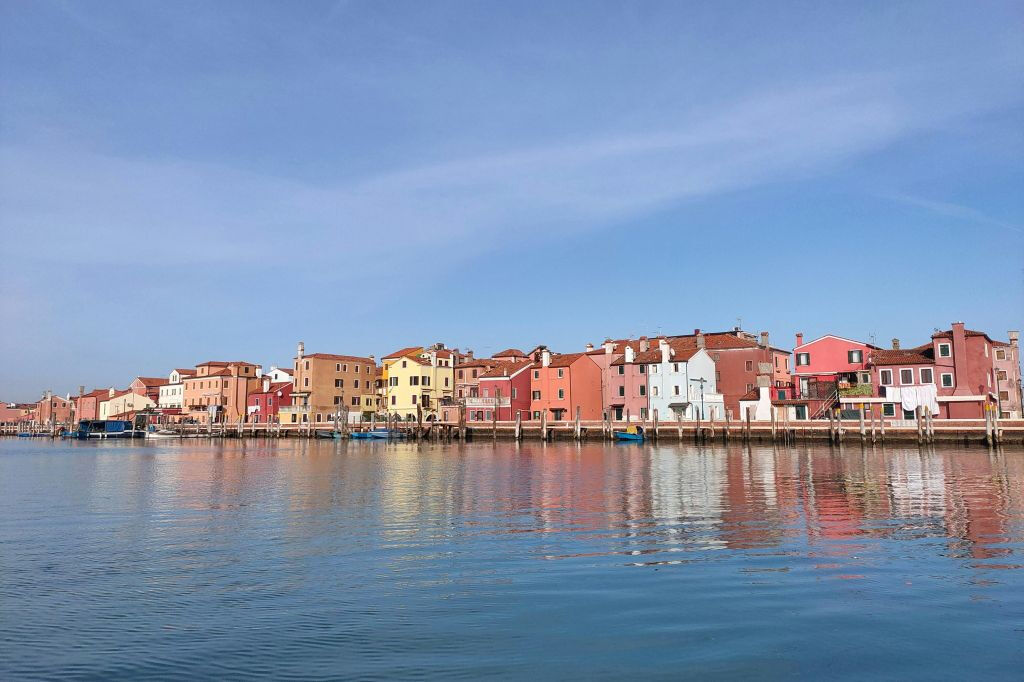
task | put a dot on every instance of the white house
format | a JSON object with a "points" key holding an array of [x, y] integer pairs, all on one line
{"points": [[172, 394], [681, 382]]}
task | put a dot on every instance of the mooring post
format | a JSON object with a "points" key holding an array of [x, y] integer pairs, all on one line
{"points": [[494, 414], [728, 423], [917, 420], [519, 425], [579, 430], [863, 430], [747, 434], [654, 429], [544, 425]]}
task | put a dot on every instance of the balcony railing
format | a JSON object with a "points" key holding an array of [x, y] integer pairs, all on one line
{"points": [[488, 402]]}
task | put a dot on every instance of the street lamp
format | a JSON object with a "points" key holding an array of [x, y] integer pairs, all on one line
{"points": [[701, 381]]}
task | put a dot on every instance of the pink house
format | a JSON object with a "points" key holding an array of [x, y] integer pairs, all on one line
{"points": [[626, 380], [822, 367], [561, 383], [1007, 366], [505, 389]]}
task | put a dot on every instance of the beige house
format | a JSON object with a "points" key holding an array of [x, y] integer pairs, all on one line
{"points": [[172, 394], [219, 391], [326, 385]]}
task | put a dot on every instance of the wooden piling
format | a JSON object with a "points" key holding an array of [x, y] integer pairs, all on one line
{"points": [[544, 425], [519, 425], [863, 429], [920, 429], [654, 431], [578, 430]]}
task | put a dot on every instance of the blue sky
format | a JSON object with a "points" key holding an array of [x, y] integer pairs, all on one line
{"points": [[216, 180]]}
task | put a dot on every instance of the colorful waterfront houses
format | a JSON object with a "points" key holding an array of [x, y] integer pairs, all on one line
{"points": [[561, 384], [124, 404], [87, 405], [824, 367], [681, 381], [504, 392], [328, 385], [1008, 379], [53, 409], [171, 395], [625, 381], [264, 405], [219, 391], [419, 381], [467, 382], [148, 386], [953, 375]]}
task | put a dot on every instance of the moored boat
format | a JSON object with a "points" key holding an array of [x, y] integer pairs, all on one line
{"points": [[106, 428], [377, 434], [630, 433]]}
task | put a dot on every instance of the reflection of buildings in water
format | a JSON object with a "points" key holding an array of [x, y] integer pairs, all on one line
{"points": [[917, 484], [759, 490], [978, 504], [687, 487]]}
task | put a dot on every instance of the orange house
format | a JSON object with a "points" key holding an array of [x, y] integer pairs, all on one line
{"points": [[561, 383], [219, 390]]}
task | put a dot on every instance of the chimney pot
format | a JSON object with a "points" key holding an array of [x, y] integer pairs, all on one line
{"points": [[545, 357], [799, 338], [1014, 336], [590, 347], [764, 339], [302, 349], [895, 344]]}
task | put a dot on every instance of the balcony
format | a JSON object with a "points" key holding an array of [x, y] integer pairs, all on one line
{"points": [[856, 390], [477, 402]]}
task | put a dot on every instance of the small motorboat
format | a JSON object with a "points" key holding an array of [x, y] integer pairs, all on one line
{"points": [[327, 435], [377, 434], [33, 434], [107, 428], [630, 433]]}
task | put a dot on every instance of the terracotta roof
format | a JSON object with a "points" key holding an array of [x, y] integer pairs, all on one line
{"points": [[562, 359], [152, 381], [506, 369], [948, 334], [478, 362], [219, 373], [331, 356], [752, 394], [118, 394], [997, 342], [912, 356], [442, 353], [223, 363], [403, 352], [510, 352], [95, 393], [683, 352], [185, 371]]}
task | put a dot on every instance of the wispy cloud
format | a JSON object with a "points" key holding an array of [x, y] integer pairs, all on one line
{"points": [[952, 210]]}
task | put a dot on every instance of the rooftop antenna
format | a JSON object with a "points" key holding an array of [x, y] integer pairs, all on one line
{"points": [[872, 339], [739, 322]]}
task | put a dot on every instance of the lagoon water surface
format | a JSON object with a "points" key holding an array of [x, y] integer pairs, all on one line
{"points": [[294, 559]]}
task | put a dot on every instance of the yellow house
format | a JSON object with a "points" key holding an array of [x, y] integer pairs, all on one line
{"points": [[120, 403], [417, 380]]}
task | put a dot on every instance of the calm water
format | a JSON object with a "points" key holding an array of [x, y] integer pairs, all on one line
{"points": [[368, 560]]}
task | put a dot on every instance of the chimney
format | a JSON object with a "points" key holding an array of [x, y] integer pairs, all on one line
{"points": [[266, 384], [589, 347], [469, 354], [608, 346], [81, 389], [629, 355], [895, 344], [301, 350], [700, 341], [665, 350], [799, 338], [110, 393], [764, 339], [696, 332], [1014, 337], [644, 345], [545, 357]]}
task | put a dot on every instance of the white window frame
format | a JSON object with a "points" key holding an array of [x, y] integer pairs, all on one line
{"points": [[922, 370], [860, 356], [942, 383], [949, 350], [881, 377], [803, 364], [907, 369], [891, 406]]}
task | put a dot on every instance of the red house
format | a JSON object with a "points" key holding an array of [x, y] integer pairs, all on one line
{"points": [[148, 386], [561, 383], [506, 389], [87, 406], [822, 367], [263, 405]]}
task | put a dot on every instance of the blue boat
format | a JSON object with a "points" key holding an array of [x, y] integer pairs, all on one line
{"points": [[106, 428], [631, 433]]}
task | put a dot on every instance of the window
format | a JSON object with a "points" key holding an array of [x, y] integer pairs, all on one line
{"points": [[356, 368], [446, 382], [888, 410], [413, 398], [536, 414], [803, 359], [535, 395], [414, 381], [561, 394], [487, 415], [339, 383], [643, 413], [675, 367], [906, 376], [392, 400], [392, 381], [515, 394], [749, 365], [622, 369], [460, 393], [643, 390], [305, 382], [403, 363], [355, 383], [947, 380], [854, 356], [718, 375], [642, 368], [926, 375], [909, 415], [355, 401], [782, 394], [426, 381], [561, 373], [750, 387], [654, 390], [622, 390], [461, 373], [1001, 375], [307, 364], [865, 377], [943, 350], [337, 367], [1000, 354], [885, 377], [675, 390], [1004, 396], [654, 369], [536, 374]]}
